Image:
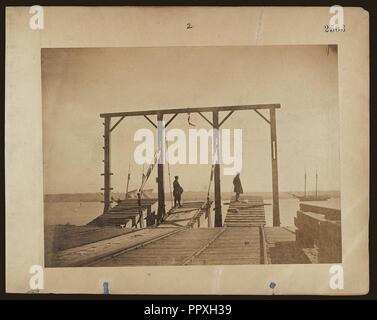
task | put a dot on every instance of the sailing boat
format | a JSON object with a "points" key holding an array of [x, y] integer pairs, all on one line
{"points": [[315, 197]]}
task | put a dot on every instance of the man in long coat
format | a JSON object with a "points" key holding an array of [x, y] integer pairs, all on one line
{"points": [[237, 186], [177, 192]]}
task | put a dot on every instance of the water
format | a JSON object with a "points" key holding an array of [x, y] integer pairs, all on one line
{"points": [[75, 213], [80, 213]]}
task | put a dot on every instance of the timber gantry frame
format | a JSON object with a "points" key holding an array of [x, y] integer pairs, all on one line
{"points": [[216, 124]]}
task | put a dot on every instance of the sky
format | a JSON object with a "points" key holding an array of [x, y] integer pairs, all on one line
{"points": [[80, 83]]}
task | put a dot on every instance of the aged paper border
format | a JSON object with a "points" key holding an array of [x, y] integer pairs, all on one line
{"points": [[148, 27]]}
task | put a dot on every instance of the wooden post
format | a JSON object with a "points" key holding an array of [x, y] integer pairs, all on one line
{"points": [[160, 168], [106, 162], [216, 143], [274, 159]]}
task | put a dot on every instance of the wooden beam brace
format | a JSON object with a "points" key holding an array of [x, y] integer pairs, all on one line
{"points": [[227, 116], [204, 117], [116, 124], [264, 118], [170, 120], [150, 121]]}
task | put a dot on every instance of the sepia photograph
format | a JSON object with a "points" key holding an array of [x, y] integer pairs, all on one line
{"points": [[140, 169], [187, 151]]}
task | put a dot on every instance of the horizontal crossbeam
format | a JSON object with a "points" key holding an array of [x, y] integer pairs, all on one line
{"points": [[190, 110]]}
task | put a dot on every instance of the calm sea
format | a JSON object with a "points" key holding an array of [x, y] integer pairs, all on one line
{"points": [[80, 213]]}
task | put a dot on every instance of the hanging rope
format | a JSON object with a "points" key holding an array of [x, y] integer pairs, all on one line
{"points": [[149, 171], [188, 121], [210, 182]]}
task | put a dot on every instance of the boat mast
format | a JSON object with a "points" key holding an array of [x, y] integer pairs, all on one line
{"points": [[305, 185], [316, 184], [128, 179]]}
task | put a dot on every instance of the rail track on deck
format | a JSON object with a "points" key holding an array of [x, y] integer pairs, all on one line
{"points": [[241, 240]]}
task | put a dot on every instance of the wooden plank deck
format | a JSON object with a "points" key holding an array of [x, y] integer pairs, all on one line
{"points": [[124, 212], [233, 245], [200, 246], [185, 216], [84, 255], [61, 237], [246, 213], [281, 242], [172, 250], [242, 240], [279, 234]]}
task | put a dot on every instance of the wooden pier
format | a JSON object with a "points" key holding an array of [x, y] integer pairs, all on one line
{"points": [[199, 246], [239, 243], [127, 213], [184, 238], [174, 249], [179, 240]]}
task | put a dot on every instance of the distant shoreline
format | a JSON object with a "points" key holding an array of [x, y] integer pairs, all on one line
{"points": [[187, 195]]}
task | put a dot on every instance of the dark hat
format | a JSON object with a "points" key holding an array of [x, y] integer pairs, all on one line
{"points": [[176, 177]]}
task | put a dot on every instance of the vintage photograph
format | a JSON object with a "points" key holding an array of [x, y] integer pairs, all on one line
{"points": [[222, 155]]}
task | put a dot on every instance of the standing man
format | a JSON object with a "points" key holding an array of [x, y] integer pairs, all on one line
{"points": [[237, 186], [177, 192]]}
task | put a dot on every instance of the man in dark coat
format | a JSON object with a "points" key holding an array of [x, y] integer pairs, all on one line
{"points": [[237, 186], [177, 192]]}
